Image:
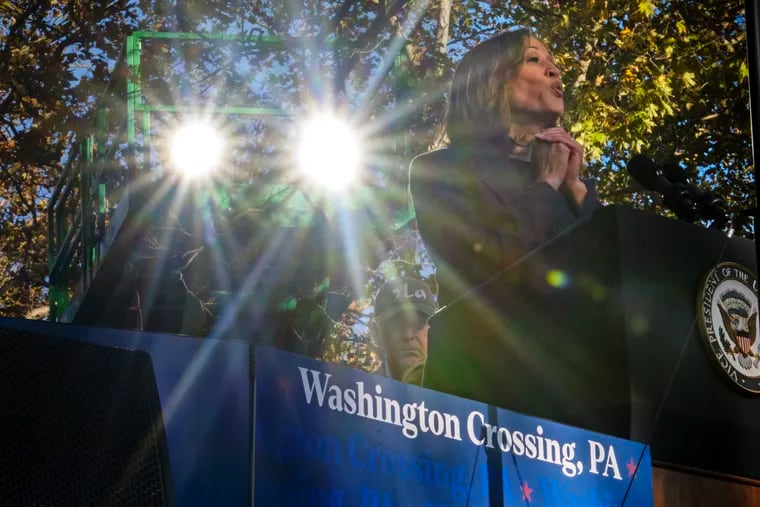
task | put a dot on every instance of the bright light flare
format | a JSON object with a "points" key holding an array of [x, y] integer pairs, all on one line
{"points": [[558, 279], [196, 150], [329, 152]]}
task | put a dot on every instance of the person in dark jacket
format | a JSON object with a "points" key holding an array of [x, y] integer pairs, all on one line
{"points": [[510, 178]]}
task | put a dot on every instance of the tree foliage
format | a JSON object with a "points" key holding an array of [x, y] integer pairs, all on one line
{"points": [[54, 59], [661, 77]]}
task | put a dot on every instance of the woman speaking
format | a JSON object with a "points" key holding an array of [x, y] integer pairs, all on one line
{"points": [[510, 178]]}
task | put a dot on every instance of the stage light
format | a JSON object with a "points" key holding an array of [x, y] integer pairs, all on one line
{"points": [[196, 149], [329, 152]]}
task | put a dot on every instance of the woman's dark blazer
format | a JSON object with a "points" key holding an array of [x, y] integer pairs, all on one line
{"points": [[478, 213]]}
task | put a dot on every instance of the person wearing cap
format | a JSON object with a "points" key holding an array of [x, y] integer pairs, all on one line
{"points": [[400, 326]]}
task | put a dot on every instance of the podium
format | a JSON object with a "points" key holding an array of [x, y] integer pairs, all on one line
{"points": [[599, 329]]}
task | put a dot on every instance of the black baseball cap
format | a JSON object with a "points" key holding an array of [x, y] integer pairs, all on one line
{"points": [[404, 295]]}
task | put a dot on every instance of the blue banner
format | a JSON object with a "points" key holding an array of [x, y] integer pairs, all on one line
{"points": [[328, 435]]}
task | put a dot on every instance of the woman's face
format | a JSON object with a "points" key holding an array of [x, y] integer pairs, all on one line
{"points": [[535, 92]]}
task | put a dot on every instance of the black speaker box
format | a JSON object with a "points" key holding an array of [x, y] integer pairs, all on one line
{"points": [[80, 425]]}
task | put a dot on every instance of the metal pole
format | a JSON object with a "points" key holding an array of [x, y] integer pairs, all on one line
{"points": [[752, 15]]}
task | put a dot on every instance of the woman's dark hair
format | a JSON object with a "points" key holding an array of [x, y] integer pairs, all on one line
{"points": [[478, 108]]}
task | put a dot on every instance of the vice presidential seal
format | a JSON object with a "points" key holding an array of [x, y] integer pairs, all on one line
{"points": [[727, 310]]}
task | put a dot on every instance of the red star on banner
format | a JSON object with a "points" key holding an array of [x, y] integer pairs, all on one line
{"points": [[631, 467], [526, 491]]}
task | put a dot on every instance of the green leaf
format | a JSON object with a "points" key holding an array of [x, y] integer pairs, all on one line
{"points": [[646, 8]]}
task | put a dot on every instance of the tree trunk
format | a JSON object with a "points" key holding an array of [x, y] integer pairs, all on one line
{"points": [[443, 31]]}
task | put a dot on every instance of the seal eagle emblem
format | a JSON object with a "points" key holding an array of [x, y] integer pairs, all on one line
{"points": [[727, 311]]}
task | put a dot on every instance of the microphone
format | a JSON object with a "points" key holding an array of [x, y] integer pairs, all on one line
{"points": [[676, 195], [711, 206], [644, 171]]}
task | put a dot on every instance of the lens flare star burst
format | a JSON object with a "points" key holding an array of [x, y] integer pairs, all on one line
{"points": [[329, 151]]}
